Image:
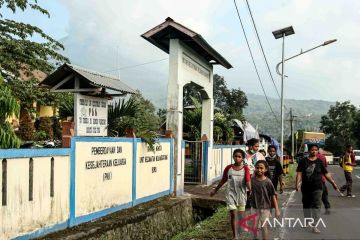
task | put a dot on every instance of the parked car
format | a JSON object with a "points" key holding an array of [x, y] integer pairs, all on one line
{"points": [[357, 156]]}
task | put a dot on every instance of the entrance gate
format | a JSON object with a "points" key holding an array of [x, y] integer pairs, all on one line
{"points": [[194, 163], [191, 60]]}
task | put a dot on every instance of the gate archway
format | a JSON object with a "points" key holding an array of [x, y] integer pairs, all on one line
{"points": [[191, 60]]}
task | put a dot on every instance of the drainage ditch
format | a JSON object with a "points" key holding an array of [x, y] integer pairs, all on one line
{"points": [[162, 218]]}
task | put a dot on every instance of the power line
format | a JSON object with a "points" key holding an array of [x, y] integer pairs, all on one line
{"points": [[252, 57], [262, 49], [137, 65]]}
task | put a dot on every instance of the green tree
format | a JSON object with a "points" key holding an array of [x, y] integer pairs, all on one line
{"points": [[223, 132], [236, 102], [27, 129], [120, 114], [18, 51], [229, 104], [137, 113], [192, 121], [8, 107], [230, 101], [190, 91], [340, 126], [221, 92], [27, 92], [46, 126], [66, 106]]}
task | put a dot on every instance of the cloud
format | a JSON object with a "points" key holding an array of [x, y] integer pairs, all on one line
{"points": [[105, 35]]}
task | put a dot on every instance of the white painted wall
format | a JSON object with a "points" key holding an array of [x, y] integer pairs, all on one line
{"points": [[215, 163], [20, 215], [147, 181], [227, 157], [215, 168], [92, 192]]}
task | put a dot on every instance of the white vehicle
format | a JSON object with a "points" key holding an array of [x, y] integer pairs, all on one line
{"points": [[357, 156]]}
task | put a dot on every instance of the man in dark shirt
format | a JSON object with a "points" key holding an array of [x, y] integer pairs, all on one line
{"points": [[275, 168], [309, 173]]}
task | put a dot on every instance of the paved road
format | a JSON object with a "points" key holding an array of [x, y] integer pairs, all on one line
{"points": [[342, 223]]}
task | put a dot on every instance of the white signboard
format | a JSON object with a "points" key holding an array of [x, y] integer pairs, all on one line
{"points": [[103, 175], [152, 169], [91, 115]]}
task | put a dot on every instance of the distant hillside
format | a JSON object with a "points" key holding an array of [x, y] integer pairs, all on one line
{"points": [[309, 114]]}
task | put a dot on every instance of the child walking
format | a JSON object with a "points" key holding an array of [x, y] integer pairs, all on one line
{"points": [[252, 156], [238, 177], [262, 197], [275, 168]]}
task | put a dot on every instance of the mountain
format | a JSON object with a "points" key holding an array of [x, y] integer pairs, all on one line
{"points": [[308, 114]]}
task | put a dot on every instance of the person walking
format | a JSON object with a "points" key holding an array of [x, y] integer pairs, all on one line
{"points": [[275, 169], [347, 163], [325, 193], [252, 156], [308, 175], [238, 177], [263, 197]]}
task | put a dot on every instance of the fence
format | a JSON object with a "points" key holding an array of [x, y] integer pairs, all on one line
{"points": [[45, 190], [193, 161], [213, 161]]}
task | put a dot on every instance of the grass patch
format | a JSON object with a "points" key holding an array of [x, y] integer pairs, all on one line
{"points": [[205, 229], [215, 227], [289, 179]]}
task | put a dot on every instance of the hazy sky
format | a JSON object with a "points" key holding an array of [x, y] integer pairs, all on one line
{"points": [[105, 35]]}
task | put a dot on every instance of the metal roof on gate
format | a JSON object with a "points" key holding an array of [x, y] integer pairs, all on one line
{"points": [[160, 36]]}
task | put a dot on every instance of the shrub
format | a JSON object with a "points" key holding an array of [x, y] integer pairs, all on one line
{"points": [[40, 135], [26, 129], [46, 126]]}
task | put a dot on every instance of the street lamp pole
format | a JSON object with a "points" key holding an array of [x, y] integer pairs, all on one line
{"points": [[282, 101], [281, 33], [282, 83], [301, 53]]}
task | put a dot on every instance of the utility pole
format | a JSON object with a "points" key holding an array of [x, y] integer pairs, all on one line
{"points": [[296, 142], [292, 119]]}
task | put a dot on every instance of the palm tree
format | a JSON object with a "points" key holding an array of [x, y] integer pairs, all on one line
{"points": [[137, 113], [120, 116]]}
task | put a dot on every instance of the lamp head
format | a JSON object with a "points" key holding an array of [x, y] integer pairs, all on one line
{"points": [[284, 31], [329, 41]]}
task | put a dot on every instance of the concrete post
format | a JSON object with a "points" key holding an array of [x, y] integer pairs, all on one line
{"points": [[174, 117]]}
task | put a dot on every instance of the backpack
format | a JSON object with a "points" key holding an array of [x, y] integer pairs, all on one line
{"points": [[341, 161]]}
